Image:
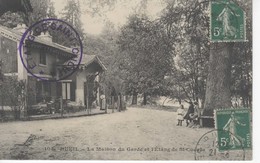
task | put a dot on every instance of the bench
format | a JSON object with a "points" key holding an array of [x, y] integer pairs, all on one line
{"points": [[206, 121]]}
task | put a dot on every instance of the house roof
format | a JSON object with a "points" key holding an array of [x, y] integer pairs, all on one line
{"points": [[88, 59], [10, 33], [16, 36]]}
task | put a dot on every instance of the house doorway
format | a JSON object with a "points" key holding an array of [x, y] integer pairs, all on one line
{"points": [[90, 94]]}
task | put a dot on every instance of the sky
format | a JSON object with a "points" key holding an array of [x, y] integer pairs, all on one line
{"points": [[118, 14]]}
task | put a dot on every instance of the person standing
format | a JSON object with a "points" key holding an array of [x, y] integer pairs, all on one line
{"points": [[180, 114]]}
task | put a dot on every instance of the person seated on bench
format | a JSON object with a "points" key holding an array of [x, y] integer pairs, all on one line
{"points": [[195, 116], [187, 115]]}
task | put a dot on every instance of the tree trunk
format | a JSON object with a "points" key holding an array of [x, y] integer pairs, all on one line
{"points": [[164, 101], [250, 101], [145, 99], [179, 99], [196, 89], [202, 102], [134, 99], [218, 93]]}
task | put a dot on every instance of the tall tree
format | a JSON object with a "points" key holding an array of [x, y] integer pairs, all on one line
{"points": [[40, 10], [218, 90], [194, 51], [242, 62], [105, 46], [218, 94], [147, 57], [72, 14], [51, 10], [191, 45]]}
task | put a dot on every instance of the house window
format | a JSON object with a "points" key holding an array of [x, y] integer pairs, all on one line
{"points": [[66, 91], [43, 91], [42, 58]]}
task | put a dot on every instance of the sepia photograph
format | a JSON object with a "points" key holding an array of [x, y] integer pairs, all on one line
{"points": [[126, 80]]}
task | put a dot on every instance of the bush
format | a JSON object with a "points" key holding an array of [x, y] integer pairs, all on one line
{"points": [[12, 94]]}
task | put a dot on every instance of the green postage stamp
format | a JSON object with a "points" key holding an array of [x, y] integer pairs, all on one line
{"points": [[227, 22], [237, 129]]}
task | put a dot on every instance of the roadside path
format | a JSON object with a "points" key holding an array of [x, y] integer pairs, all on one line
{"points": [[100, 137]]}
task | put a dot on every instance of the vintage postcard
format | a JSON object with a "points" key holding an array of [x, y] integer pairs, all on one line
{"points": [[126, 80]]}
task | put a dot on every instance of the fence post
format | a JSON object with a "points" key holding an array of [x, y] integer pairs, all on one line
{"points": [[118, 103], [124, 102], [113, 103], [105, 104], [87, 104], [61, 106]]}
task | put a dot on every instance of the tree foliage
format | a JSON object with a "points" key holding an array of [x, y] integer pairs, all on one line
{"points": [[105, 46], [10, 19], [191, 46], [191, 20], [168, 56], [71, 13], [40, 10], [241, 81], [182, 33], [147, 57], [12, 94]]}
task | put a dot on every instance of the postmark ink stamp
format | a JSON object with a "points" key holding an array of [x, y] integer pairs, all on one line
{"points": [[211, 146], [230, 139], [65, 60], [227, 22]]}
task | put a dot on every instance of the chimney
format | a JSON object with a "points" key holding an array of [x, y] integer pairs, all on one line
{"points": [[21, 28], [45, 36]]}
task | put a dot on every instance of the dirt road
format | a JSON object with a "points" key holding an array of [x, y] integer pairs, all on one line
{"points": [[136, 134]]}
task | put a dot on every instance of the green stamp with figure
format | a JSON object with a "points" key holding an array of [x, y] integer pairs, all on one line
{"points": [[234, 129], [227, 22]]}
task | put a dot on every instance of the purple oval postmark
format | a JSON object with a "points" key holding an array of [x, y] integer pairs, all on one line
{"points": [[45, 59]]}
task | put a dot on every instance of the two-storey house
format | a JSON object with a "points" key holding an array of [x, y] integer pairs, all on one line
{"points": [[78, 87]]}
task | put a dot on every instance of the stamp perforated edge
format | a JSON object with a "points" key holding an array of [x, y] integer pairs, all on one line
{"points": [[226, 41], [233, 109]]}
